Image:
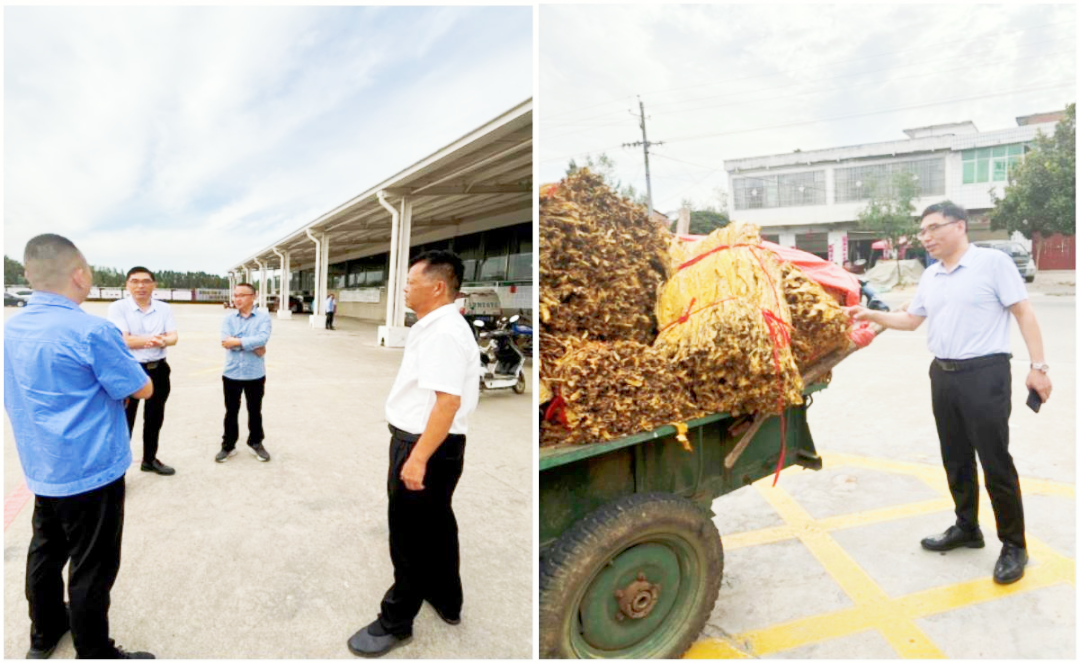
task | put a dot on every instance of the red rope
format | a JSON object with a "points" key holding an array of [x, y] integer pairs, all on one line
{"points": [[686, 316], [697, 259]]}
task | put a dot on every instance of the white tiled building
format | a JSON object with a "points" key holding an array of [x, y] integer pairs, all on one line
{"points": [[811, 200]]}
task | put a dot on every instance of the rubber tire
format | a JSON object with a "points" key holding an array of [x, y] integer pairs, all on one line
{"points": [[585, 549], [519, 386], [20, 304]]}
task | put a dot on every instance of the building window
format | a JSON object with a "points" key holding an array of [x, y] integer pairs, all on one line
{"points": [[782, 190], [991, 164], [858, 182]]}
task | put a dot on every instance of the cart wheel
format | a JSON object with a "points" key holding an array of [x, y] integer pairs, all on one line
{"points": [[637, 578], [519, 386]]}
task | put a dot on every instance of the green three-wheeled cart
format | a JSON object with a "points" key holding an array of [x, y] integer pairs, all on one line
{"points": [[630, 560]]}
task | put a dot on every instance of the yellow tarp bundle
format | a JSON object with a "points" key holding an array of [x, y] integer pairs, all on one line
{"points": [[724, 321]]}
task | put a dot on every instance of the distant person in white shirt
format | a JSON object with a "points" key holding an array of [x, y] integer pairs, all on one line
{"points": [[436, 389], [148, 328], [331, 308]]}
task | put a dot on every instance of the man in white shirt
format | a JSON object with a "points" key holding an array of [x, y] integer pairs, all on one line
{"points": [[437, 387], [148, 327]]}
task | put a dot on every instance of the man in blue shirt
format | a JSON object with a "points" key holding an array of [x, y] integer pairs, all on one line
{"points": [[66, 377], [331, 308], [967, 298], [244, 335]]}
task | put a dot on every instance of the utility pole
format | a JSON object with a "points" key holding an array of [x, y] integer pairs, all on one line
{"points": [[644, 142]]}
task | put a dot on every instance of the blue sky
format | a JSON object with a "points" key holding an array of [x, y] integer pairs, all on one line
{"points": [[189, 138], [744, 71]]}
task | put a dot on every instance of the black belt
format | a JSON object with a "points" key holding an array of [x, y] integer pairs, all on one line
{"points": [[151, 365], [959, 365], [413, 437]]}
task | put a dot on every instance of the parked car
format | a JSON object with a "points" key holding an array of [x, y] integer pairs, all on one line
{"points": [[1025, 263], [13, 300]]}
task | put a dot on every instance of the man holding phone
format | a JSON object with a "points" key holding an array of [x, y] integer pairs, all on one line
{"points": [[968, 296]]}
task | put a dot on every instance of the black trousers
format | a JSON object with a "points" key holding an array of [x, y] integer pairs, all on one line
{"points": [[330, 319], [972, 407], [154, 412], [423, 535], [252, 391], [86, 529]]}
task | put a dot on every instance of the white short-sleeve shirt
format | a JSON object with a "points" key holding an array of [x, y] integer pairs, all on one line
{"points": [[440, 355], [967, 309], [158, 319]]}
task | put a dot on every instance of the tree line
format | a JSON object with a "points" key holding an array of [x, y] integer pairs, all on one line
{"points": [[110, 277]]}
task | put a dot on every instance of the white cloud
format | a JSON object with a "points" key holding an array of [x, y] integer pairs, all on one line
{"points": [[188, 138], [712, 69]]}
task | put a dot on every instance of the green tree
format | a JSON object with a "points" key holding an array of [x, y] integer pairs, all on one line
{"points": [[1040, 197], [704, 221], [890, 210], [604, 166], [13, 272]]}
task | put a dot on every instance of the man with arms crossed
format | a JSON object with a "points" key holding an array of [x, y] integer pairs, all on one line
{"points": [[148, 327], [436, 389], [244, 335], [66, 376], [967, 297]]}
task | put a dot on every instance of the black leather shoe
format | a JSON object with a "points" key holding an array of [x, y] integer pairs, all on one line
{"points": [[159, 467], [953, 538], [1010, 565], [120, 653], [45, 649], [364, 643], [452, 620]]}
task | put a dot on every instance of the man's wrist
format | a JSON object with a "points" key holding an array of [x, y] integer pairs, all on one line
{"points": [[1040, 366]]}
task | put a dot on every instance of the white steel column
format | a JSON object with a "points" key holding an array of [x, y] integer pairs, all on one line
{"points": [[284, 309], [394, 332], [318, 316], [262, 283], [403, 260]]}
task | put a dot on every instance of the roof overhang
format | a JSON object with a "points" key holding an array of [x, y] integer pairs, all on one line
{"points": [[483, 179]]}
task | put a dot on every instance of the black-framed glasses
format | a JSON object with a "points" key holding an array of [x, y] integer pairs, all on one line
{"points": [[934, 227]]}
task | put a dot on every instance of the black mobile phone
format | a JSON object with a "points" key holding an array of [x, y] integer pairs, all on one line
{"points": [[1033, 401]]}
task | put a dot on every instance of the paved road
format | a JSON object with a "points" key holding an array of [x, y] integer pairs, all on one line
{"points": [[828, 564], [287, 559]]}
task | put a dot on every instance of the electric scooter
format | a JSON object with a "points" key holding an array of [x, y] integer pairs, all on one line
{"points": [[501, 362]]}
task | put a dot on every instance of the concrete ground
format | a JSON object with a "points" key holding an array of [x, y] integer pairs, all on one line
{"points": [[289, 558], [828, 565]]}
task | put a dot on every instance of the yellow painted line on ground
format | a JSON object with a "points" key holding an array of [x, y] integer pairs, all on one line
{"points": [[873, 609], [757, 537], [715, 648], [906, 638], [934, 475], [884, 514]]}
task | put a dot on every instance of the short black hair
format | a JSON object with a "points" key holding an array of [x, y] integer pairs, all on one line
{"points": [[140, 270], [947, 209], [49, 259], [246, 285], [447, 266]]}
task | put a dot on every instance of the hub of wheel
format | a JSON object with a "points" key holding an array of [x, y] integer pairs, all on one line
{"points": [[637, 599]]}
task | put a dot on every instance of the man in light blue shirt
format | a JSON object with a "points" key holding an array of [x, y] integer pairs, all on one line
{"points": [[66, 377], [331, 309], [244, 335], [967, 298], [148, 327]]}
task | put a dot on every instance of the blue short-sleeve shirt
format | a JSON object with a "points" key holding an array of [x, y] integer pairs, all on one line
{"points": [[66, 375], [967, 309], [254, 332]]}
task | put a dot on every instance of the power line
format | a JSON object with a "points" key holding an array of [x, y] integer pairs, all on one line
{"points": [[826, 119], [827, 64], [819, 80], [874, 112]]}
